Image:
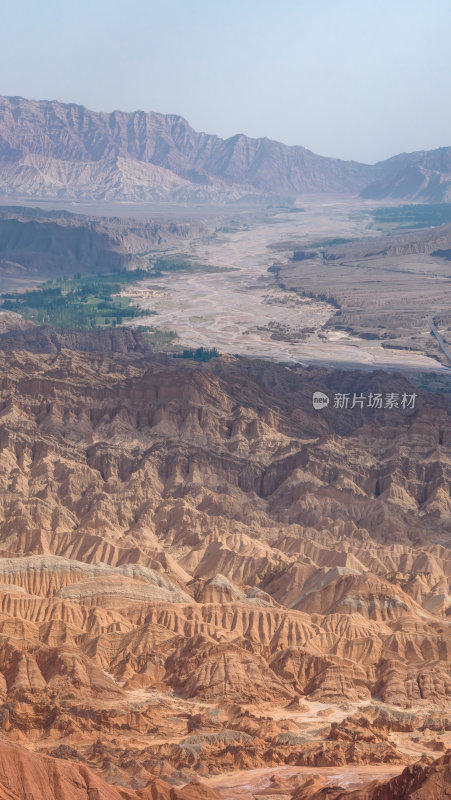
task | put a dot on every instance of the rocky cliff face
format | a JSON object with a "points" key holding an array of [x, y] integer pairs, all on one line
{"points": [[424, 177], [200, 573], [17, 334], [62, 150], [41, 243], [51, 149], [26, 775]]}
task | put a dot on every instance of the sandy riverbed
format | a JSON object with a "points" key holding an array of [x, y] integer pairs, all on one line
{"points": [[241, 311]]}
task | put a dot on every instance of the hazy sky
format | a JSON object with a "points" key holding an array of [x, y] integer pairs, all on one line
{"points": [[361, 79]]}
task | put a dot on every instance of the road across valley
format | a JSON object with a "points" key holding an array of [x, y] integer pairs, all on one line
{"points": [[444, 346]]}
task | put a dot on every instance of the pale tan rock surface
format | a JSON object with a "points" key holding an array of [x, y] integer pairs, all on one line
{"points": [[191, 584]]}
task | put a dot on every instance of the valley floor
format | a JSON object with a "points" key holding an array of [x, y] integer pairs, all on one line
{"points": [[243, 310]]}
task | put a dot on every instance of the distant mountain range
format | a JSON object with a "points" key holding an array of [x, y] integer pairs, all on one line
{"points": [[58, 150], [423, 177]]}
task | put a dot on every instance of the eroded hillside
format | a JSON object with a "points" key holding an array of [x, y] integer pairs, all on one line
{"points": [[200, 573], [37, 244], [386, 289]]}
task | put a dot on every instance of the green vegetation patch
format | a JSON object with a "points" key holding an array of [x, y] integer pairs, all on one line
{"points": [[301, 244], [160, 338], [413, 216], [161, 264], [198, 353], [329, 241], [79, 302]]}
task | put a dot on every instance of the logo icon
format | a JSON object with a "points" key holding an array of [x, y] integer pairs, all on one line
{"points": [[320, 400]]}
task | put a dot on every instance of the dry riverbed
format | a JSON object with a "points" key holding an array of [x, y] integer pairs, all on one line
{"points": [[243, 310], [258, 783]]}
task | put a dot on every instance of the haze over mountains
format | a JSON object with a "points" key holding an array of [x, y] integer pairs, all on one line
{"points": [[57, 150]]}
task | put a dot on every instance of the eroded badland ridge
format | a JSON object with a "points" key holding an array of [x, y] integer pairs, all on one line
{"points": [[199, 574], [57, 150], [36, 244]]}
